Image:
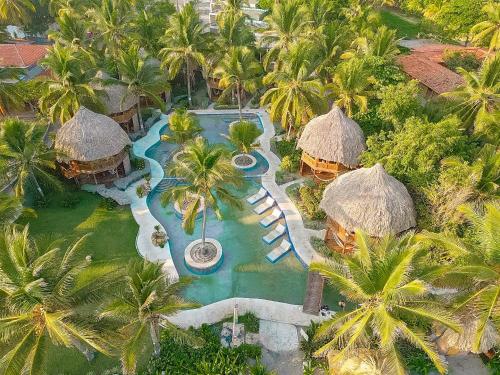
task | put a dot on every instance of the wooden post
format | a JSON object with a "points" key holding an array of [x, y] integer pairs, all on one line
{"points": [[95, 179], [314, 293]]}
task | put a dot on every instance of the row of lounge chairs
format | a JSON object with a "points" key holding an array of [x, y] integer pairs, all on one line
{"points": [[279, 230]]}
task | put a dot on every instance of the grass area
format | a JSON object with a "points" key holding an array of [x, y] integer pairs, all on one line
{"points": [[404, 28], [114, 233]]}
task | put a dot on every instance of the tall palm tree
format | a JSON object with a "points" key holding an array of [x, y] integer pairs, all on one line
{"points": [[295, 96], [24, 157], [286, 24], [183, 127], [68, 88], [388, 299], [238, 71], [148, 299], [143, 78], [479, 98], [148, 30], [11, 209], [476, 269], [185, 42], [488, 32], [320, 13], [16, 11], [11, 95], [350, 86], [72, 29], [41, 300], [233, 30], [243, 136], [207, 175]]}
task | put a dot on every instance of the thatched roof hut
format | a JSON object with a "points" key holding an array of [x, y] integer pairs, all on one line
{"points": [[369, 199], [116, 99], [90, 136], [333, 137]]}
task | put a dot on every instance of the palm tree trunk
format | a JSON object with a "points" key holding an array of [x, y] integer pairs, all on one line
{"points": [[204, 225], [238, 94], [188, 76], [139, 115], [38, 187], [154, 330]]}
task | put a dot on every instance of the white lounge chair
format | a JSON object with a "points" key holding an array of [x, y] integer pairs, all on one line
{"points": [[276, 233], [257, 196], [273, 217], [266, 205], [279, 251]]}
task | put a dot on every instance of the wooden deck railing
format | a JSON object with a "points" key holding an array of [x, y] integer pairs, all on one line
{"points": [[320, 165]]}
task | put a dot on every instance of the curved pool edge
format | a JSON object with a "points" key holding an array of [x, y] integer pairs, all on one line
{"points": [[139, 206]]}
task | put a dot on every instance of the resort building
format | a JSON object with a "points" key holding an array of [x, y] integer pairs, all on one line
{"points": [[330, 144], [93, 147], [24, 56], [120, 105], [368, 199]]}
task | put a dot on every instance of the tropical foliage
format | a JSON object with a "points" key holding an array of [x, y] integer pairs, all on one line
{"points": [[183, 126], [243, 136]]}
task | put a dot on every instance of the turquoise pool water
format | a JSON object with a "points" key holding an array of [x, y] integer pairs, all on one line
{"points": [[245, 271]]}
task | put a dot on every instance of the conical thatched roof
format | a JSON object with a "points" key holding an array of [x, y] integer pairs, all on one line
{"points": [[333, 137], [114, 94], [369, 199], [90, 136]]}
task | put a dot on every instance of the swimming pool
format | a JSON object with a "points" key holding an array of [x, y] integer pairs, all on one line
{"points": [[245, 271]]}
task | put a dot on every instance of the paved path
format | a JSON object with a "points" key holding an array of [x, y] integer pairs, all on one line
{"points": [[278, 337]]}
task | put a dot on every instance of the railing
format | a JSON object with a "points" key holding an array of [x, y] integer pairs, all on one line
{"points": [[320, 165], [75, 168], [124, 116]]}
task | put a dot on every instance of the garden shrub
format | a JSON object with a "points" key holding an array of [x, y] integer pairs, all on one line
{"points": [[140, 191], [320, 246], [415, 359], [310, 197], [250, 321], [290, 163], [69, 200], [41, 202], [108, 203], [494, 364], [137, 163], [464, 60]]}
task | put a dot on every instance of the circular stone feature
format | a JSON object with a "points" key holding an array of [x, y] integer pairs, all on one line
{"points": [[243, 161], [177, 155], [180, 211], [203, 259]]}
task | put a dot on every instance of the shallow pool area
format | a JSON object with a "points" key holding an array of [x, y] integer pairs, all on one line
{"points": [[245, 271]]}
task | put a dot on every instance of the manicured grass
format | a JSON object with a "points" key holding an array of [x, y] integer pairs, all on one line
{"points": [[113, 238], [404, 28]]}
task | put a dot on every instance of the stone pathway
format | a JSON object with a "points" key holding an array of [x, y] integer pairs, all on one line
{"points": [[117, 195], [278, 337], [125, 182]]}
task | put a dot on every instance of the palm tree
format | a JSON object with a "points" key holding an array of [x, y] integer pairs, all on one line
{"points": [[378, 280], [479, 98], [350, 87], [243, 136], [148, 30], [72, 30], [233, 30], [147, 301], [183, 127], [16, 11], [11, 209], [24, 157], [143, 78], [475, 270], [11, 96], [207, 175], [185, 42], [295, 96], [238, 71], [41, 299], [488, 31], [320, 13], [68, 88], [286, 24], [380, 43]]}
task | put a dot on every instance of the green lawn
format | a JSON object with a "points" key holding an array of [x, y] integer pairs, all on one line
{"points": [[114, 234], [404, 27]]}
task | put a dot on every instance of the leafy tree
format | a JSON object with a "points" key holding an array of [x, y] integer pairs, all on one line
{"points": [[389, 299], [328, 43], [68, 88], [295, 95], [400, 102], [16, 11], [243, 136], [183, 127], [142, 77], [185, 42], [456, 17], [72, 29], [148, 30], [488, 32], [238, 71], [478, 100], [351, 86], [413, 153], [380, 43], [475, 268], [321, 13], [207, 174], [285, 26], [233, 30], [11, 209], [24, 157], [43, 293], [147, 301], [11, 95]]}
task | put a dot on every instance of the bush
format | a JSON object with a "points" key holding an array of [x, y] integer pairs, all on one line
{"points": [[140, 191], [464, 60], [108, 203], [69, 200], [320, 246], [290, 163], [415, 359], [41, 202], [286, 148], [138, 163], [310, 197], [494, 364], [225, 106], [250, 321]]}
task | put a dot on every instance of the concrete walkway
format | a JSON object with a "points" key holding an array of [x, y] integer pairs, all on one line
{"points": [[278, 337]]}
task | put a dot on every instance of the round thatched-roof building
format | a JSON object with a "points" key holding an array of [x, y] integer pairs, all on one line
{"points": [[331, 143], [119, 104], [93, 148], [368, 199]]}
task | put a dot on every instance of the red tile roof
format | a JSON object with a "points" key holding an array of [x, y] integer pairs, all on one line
{"points": [[21, 55]]}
